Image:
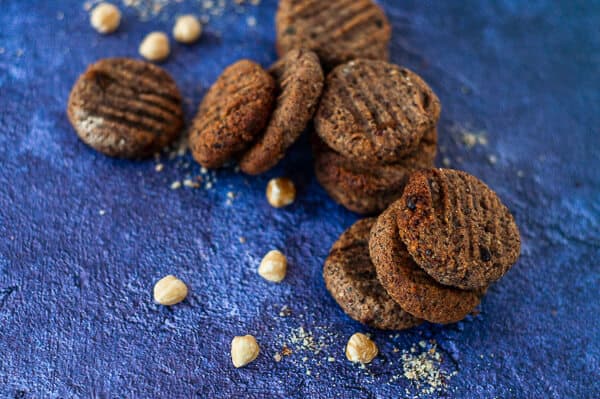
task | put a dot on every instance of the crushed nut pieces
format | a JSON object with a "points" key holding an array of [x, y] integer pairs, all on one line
{"points": [[244, 350], [273, 266], [361, 348], [170, 290], [281, 192], [105, 18]]}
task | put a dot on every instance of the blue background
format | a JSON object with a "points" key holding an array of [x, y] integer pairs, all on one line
{"points": [[76, 312]]}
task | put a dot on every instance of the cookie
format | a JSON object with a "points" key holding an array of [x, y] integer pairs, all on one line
{"points": [[125, 108], [413, 289], [351, 279], [337, 30], [375, 112], [457, 229], [233, 113], [299, 79], [369, 189]]}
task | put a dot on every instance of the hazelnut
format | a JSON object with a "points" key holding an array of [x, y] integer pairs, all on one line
{"points": [[244, 350], [155, 46], [170, 290], [361, 348], [281, 192], [105, 18], [273, 266], [187, 29]]}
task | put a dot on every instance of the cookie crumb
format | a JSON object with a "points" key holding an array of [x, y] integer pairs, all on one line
{"points": [[285, 311], [190, 183], [176, 185], [159, 167], [277, 357], [102, 212], [492, 159], [242, 240]]}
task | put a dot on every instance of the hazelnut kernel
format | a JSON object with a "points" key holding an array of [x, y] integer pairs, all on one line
{"points": [[281, 192], [187, 29], [155, 46], [244, 350], [105, 18], [361, 348], [273, 266], [170, 290]]}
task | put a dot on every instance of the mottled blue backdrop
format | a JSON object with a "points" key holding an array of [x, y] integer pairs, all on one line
{"points": [[84, 237]]}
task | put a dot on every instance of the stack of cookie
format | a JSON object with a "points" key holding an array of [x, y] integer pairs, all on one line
{"points": [[375, 125], [254, 115], [430, 256]]}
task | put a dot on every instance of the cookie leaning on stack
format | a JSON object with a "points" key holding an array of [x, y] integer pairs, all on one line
{"points": [[435, 251], [376, 124]]}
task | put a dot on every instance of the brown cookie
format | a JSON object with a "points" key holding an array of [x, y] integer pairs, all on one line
{"points": [[457, 229], [351, 279], [233, 113], [125, 108], [300, 81], [375, 112], [413, 289], [337, 30], [369, 189]]}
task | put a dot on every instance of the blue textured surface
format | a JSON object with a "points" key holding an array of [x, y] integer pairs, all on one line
{"points": [[76, 312]]}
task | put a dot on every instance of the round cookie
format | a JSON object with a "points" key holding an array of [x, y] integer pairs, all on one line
{"points": [[413, 289], [350, 278], [373, 112], [125, 108], [457, 229], [299, 79], [368, 190], [337, 30], [233, 113]]}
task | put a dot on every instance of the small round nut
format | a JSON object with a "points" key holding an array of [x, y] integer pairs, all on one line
{"points": [[281, 192], [187, 29], [105, 18], [155, 46], [244, 350], [273, 266], [170, 290], [361, 348]]}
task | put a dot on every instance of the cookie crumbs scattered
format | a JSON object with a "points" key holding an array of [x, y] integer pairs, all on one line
{"points": [[176, 185], [286, 351], [492, 159], [102, 212], [159, 167], [331, 359], [277, 357], [424, 369], [242, 240], [446, 161]]}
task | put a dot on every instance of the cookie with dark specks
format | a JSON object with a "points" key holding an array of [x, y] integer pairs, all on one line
{"points": [[413, 289], [368, 189], [337, 30], [350, 278], [233, 113], [375, 112], [457, 229], [125, 108], [299, 79]]}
